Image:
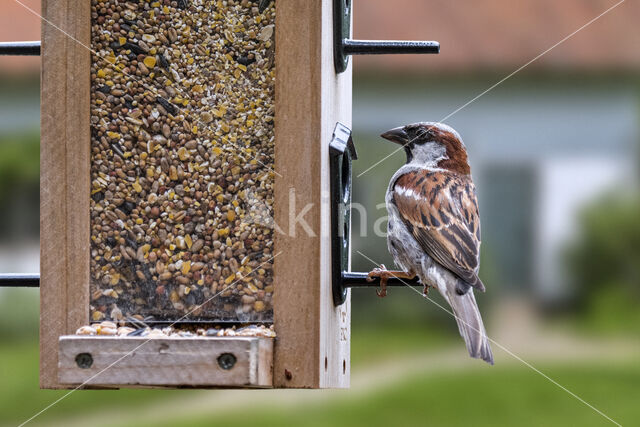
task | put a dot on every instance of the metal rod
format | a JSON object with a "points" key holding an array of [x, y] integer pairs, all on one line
{"points": [[20, 48], [352, 279], [379, 47], [15, 280]]}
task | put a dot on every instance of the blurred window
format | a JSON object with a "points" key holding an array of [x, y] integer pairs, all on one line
{"points": [[507, 210]]}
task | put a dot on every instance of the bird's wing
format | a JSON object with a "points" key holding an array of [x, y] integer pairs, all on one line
{"points": [[441, 210]]}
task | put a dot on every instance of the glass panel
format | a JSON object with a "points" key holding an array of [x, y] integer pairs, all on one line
{"points": [[182, 97]]}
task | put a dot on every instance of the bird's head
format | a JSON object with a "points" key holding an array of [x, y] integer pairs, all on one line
{"points": [[432, 145]]}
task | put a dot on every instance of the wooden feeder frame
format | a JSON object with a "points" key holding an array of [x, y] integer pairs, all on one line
{"points": [[312, 345]]}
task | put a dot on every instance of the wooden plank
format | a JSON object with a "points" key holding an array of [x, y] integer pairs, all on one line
{"points": [[335, 333], [64, 177], [78, 175], [312, 348], [192, 362]]}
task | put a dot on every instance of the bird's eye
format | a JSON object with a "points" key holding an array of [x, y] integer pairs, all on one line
{"points": [[424, 133]]}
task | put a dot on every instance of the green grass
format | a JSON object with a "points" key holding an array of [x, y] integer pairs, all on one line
{"points": [[19, 186], [19, 159], [507, 394], [370, 345], [20, 396], [484, 397]]}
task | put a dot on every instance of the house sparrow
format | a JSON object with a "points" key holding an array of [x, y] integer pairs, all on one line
{"points": [[434, 225]]}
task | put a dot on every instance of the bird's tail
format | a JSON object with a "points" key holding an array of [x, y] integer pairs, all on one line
{"points": [[470, 324]]}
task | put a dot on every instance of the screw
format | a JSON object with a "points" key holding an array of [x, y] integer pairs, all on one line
{"points": [[226, 361], [84, 360]]}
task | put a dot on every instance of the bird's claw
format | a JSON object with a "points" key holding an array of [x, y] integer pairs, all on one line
{"points": [[425, 290], [382, 274], [377, 272]]}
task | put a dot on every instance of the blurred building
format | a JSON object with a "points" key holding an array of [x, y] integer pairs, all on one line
{"points": [[19, 97], [19, 22], [542, 144], [19, 129]]}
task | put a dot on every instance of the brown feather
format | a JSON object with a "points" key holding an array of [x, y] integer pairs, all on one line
{"points": [[441, 210], [457, 155]]}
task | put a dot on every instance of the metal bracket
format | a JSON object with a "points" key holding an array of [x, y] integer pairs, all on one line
{"points": [[343, 45], [341, 152]]}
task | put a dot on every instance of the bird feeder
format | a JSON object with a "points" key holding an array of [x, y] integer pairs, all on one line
{"points": [[184, 143]]}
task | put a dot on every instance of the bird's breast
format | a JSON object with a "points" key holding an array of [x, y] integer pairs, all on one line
{"points": [[404, 248]]}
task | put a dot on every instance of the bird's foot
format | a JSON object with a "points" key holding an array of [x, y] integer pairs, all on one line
{"points": [[382, 292], [425, 290], [383, 274]]}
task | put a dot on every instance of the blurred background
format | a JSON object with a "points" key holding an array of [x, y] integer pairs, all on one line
{"points": [[555, 155]]}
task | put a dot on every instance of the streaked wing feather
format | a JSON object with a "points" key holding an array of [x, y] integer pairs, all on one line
{"points": [[441, 210]]}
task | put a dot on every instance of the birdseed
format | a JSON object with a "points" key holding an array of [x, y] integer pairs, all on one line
{"points": [[110, 329], [182, 106]]}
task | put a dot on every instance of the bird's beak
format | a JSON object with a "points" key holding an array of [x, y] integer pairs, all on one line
{"points": [[397, 135]]}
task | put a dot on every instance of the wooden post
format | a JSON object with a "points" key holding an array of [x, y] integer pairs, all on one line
{"points": [[312, 348], [64, 178]]}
